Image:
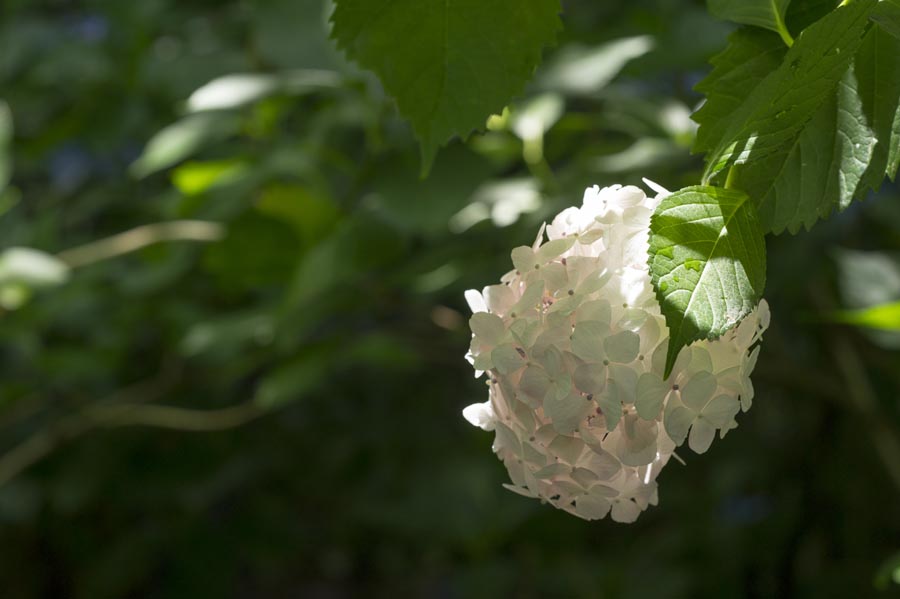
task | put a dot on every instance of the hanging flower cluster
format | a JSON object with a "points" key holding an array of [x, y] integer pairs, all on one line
{"points": [[574, 347]]}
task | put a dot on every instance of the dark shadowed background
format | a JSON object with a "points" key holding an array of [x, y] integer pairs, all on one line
{"points": [[233, 325]]}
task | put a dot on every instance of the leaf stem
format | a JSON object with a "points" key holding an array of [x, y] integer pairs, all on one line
{"points": [[729, 180], [783, 30]]}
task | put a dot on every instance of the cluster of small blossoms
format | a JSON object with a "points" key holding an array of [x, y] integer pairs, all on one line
{"points": [[574, 347]]}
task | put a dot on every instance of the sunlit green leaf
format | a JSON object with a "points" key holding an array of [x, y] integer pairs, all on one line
{"points": [[707, 263], [821, 129]]}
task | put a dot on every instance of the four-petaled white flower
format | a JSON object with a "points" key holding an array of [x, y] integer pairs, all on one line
{"points": [[574, 345]]}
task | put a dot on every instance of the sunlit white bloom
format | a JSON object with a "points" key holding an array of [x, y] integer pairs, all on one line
{"points": [[574, 346]]}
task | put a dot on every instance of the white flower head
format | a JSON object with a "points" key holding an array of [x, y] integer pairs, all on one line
{"points": [[574, 346]]}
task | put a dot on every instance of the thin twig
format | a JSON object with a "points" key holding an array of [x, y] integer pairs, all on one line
{"points": [[42, 444], [141, 237]]}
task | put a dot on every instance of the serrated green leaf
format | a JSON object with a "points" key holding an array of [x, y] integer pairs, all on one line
{"points": [[449, 66], [707, 263], [846, 148], [751, 55], [783, 102], [761, 13], [887, 15], [820, 130]]}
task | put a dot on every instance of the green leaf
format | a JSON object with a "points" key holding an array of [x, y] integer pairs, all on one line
{"points": [[751, 55], [183, 139], [449, 66], [822, 128], [887, 14], [846, 148], [707, 263], [884, 317], [761, 13]]}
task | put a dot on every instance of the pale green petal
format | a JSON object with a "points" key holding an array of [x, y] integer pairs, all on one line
{"points": [[602, 463], [699, 390], [591, 507], [637, 441], [632, 320], [702, 435], [525, 331], [677, 420], [622, 347], [483, 361], [507, 439], [507, 359], [596, 310], [594, 282], [551, 470], [488, 328], [567, 413], [584, 477], [651, 393], [554, 277], [625, 511], [587, 340], [611, 406], [499, 298], [567, 304], [720, 412], [590, 378], [560, 386], [528, 303], [552, 360], [535, 383], [524, 259], [553, 249], [567, 449]]}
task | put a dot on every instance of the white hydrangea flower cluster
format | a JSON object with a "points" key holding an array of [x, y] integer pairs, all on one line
{"points": [[574, 345]]}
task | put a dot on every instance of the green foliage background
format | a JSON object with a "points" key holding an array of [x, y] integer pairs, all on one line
{"points": [[330, 317]]}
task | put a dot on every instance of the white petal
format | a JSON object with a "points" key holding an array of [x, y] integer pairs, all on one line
{"points": [[499, 298], [625, 511], [475, 301], [520, 490], [591, 507], [480, 415], [659, 189]]}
